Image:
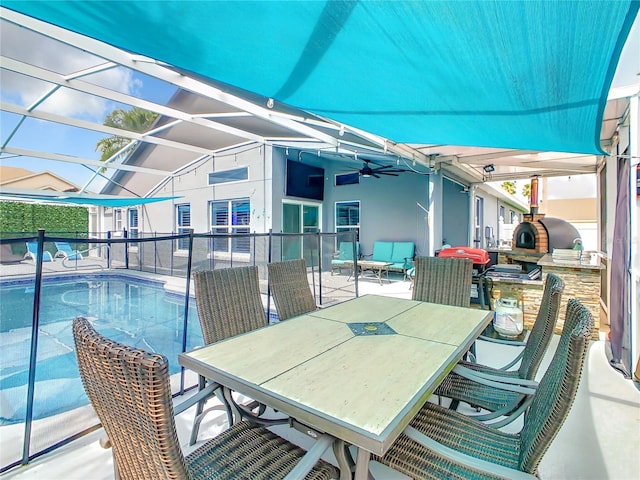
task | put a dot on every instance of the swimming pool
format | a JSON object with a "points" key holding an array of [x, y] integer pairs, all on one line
{"points": [[131, 310]]}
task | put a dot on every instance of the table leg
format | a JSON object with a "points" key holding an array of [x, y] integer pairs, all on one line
{"points": [[345, 462], [378, 275], [362, 465], [235, 413]]}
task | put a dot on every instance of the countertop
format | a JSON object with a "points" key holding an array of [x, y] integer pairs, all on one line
{"points": [[590, 260]]}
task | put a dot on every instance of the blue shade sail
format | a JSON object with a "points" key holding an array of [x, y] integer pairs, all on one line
{"points": [[79, 198], [530, 75]]}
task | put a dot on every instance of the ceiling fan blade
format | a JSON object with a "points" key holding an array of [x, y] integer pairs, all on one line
{"points": [[390, 168], [373, 162], [375, 175], [388, 173]]}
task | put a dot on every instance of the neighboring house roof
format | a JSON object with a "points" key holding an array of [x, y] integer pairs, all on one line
{"points": [[10, 173], [15, 177]]}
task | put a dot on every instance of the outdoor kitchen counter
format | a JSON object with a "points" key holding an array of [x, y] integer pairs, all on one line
{"points": [[582, 281], [589, 261]]}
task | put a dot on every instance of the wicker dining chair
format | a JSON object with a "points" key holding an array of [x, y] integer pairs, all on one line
{"points": [[290, 288], [441, 443], [131, 393], [443, 280], [229, 303], [473, 382]]}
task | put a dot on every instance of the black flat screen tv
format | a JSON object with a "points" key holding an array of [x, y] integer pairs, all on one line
{"points": [[304, 181]]}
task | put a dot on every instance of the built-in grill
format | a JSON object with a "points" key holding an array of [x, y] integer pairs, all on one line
{"points": [[539, 234]]}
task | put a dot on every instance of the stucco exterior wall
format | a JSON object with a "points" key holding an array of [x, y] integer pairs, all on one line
{"points": [[192, 186], [454, 214]]}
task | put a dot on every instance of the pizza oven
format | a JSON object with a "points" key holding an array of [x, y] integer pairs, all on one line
{"points": [[541, 234]]}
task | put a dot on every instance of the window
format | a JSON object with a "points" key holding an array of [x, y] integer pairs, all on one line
{"points": [[348, 217], [347, 178], [132, 219], [132, 215], [479, 223], [183, 224], [117, 219], [231, 217], [501, 213], [226, 176]]}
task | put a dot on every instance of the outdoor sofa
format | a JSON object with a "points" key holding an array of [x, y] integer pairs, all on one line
{"points": [[399, 254]]}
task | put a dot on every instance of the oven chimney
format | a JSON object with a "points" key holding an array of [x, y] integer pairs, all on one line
{"points": [[533, 196]]}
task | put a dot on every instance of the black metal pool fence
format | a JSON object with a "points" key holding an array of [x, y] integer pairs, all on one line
{"points": [[165, 255]]}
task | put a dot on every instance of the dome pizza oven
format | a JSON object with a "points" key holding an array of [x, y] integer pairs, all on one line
{"points": [[541, 234]]}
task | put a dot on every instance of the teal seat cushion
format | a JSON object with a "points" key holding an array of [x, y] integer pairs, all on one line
{"points": [[382, 251], [346, 251], [402, 251]]}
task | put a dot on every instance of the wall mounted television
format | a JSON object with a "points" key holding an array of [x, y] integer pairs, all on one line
{"points": [[305, 181]]}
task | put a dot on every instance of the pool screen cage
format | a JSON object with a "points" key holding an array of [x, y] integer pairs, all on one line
{"points": [[39, 365]]}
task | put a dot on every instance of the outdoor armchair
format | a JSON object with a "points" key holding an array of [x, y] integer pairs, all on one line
{"points": [[443, 280], [475, 383], [440, 443], [229, 303], [290, 288], [130, 391], [32, 252], [344, 258], [65, 251]]}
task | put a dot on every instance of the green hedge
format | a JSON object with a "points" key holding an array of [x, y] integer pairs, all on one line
{"points": [[25, 219]]}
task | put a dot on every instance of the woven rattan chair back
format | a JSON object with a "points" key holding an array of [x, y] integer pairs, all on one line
{"points": [[228, 301], [542, 331], [557, 389], [443, 280], [290, 288], [129, 390]]}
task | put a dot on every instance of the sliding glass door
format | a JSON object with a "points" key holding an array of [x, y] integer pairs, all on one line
{"points": [[299, 217]]}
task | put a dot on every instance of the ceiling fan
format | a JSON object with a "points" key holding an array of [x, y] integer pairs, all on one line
{"points": [[368, 171]]}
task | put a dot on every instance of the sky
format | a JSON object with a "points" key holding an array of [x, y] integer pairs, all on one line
{"points": [[51, 137]]}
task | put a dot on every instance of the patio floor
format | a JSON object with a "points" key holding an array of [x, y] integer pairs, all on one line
{"points": [[598, 441]]}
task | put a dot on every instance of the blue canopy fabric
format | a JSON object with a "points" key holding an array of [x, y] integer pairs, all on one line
{"points": [[530, 75], [74, 198]]}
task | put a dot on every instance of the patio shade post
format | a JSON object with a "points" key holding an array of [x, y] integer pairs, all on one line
{"points": [[270, 239], [126, 249], [185, 322], [354, 239], [155, 254], [35, 323], [319, 268], [254, 246], [109, 249]]}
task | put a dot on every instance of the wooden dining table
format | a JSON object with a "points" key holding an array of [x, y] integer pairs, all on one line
{"points": [[358, 371]]}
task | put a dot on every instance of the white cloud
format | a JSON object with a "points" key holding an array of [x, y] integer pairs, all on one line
{"points": [[28, 47]]}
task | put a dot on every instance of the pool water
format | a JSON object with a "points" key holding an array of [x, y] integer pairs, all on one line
{"points": [[137, 312]]}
